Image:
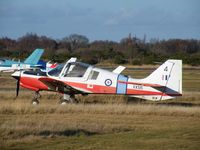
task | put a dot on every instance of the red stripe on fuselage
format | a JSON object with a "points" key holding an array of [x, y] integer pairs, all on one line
{"points": [[93, 88], [142, 92], [99, 89]]}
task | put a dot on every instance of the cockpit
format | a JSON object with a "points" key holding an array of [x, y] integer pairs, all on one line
{"points": [[73, 69]]}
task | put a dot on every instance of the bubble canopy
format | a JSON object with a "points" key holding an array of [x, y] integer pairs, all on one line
{"points": [[74, 69]]}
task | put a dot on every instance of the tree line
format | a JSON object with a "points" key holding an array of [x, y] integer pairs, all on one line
{"points": [[130, 50]]}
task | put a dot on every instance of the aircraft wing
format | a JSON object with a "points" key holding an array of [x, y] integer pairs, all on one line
{"points": [[56, 85]]}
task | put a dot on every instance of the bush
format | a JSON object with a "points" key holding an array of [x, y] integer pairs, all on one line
{"points": [[136, 62], [119, 59]]}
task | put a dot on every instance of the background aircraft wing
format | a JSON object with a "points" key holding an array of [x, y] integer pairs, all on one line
{"points": [[34, 57]]}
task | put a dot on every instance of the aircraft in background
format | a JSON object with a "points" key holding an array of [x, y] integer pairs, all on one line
{"points": [[46, 66], [30, 63], [75, 77]]}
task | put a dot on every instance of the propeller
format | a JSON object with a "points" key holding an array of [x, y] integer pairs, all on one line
{"points": [[18, 80], [18, 84]]}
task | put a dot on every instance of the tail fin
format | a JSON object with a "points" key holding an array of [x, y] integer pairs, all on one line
{"points": [[42, 64], [169, 77], [34, 57]]}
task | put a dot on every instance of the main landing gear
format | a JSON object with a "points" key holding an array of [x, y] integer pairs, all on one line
{"points": [[35, 100], [68, 99]]}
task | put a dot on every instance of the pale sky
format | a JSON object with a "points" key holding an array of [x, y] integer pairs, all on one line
{"points": [[102, 19]]}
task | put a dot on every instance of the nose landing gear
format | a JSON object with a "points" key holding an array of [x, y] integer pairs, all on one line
{"points": [[35, 100]]}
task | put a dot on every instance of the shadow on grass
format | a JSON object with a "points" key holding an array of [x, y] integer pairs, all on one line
{"points": [[79, 132], [184, 104], [133, 100]]}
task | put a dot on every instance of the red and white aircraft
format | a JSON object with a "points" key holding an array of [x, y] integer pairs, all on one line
{"points": [[75, 77]]}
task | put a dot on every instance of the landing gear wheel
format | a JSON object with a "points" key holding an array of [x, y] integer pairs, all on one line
{"points": [[72, 99], [68, 99], [63, 102], [35, 101]]}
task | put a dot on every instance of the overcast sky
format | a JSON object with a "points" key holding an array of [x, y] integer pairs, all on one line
{"points": [[102, 19]]}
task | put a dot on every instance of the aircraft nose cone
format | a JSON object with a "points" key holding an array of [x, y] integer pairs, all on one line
{"points": [[16, 75]]}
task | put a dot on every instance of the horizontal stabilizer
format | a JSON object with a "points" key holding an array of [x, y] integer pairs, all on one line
{"points": [[119, 69]]}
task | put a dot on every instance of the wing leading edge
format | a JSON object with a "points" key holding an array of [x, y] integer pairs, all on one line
{"points": [[56, 85]]}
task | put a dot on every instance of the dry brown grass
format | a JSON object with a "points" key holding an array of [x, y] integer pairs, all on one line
{"points": [[21, 107], [22, 122]]}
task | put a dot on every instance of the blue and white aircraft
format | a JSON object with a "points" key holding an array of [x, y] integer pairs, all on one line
{"points": [[30, 63]]}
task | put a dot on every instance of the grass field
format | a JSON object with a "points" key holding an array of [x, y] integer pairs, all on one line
{"points": [[101, 122]]}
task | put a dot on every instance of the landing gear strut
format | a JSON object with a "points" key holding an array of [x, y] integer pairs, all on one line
{"points": [[68, 99], [35, 100]]}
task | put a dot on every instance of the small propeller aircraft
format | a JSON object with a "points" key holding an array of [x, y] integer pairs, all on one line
{"points": [[30, 63], [75, 77]]}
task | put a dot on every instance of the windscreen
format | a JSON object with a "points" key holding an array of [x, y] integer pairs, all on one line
{"points": [[76, 70], [56, 71]]}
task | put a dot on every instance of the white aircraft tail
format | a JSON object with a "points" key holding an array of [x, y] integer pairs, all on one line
{"points": [[168, 78]]}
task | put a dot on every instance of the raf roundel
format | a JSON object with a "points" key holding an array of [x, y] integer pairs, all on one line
{"points": [[108, 82]]}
